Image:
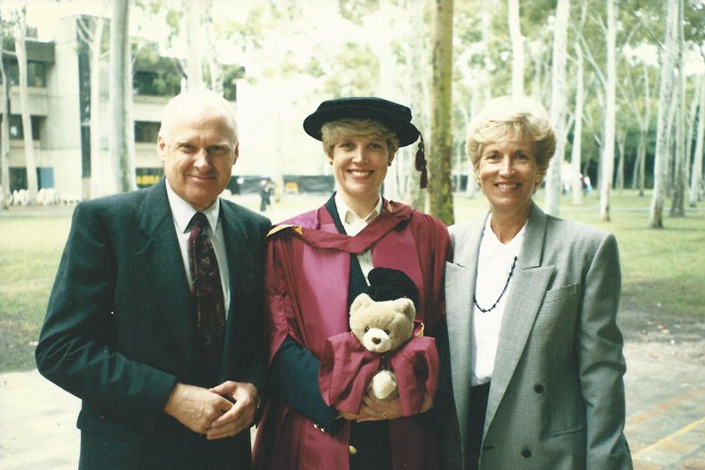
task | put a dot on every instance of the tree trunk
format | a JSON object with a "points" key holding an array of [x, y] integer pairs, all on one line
{"points": [[696, 173], [640, 164], [32, 183], [4, 127], [122, 150], [665, 92], [607, 162], [619, 183], [679, 179], [418, 97], [517, 48], [216, 78], [575, 158], [97, 167], [558, 106], [439, 182]]}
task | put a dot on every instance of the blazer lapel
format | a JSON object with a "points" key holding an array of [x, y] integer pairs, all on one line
{"points": [[165, 268], [524, 299], [240, 271], [460, 279]]}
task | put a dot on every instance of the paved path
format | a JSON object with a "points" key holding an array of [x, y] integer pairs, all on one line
{"points": [[665, 413]]}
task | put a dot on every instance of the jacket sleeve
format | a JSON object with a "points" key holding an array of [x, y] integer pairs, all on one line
{"points": [[294, 374], [601, 362], [75, 348]]}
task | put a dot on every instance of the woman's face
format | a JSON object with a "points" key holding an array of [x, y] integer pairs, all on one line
{"points": [[507, 173], [360, 166]]}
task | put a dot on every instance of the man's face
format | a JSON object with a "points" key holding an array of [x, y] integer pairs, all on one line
{"points": [[199, 151]]}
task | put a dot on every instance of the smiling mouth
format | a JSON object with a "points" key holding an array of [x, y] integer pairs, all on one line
{"points": [[507, 186], [360, 173]]}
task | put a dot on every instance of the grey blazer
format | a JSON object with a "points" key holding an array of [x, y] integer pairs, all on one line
{"points": [[556, 399]]}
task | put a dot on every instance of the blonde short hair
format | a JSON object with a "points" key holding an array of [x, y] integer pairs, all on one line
{"points": [[509, 118], [333, 131]]}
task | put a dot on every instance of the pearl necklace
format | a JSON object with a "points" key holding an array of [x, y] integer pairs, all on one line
{"points": [[511, 271]]}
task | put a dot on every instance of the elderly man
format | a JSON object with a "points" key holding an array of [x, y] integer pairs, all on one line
{"points": [[154, 318]]}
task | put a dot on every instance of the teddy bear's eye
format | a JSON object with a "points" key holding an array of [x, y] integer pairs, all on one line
{"points": [[367, 328], [386, 331]]}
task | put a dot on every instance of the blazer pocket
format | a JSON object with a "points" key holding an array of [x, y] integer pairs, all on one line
{"points": [[567, 432], [561, 293]]}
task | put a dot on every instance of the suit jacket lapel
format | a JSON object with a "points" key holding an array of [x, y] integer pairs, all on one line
{"points": [[524, 299], [240, 273], [460, 287], [165, 267]]}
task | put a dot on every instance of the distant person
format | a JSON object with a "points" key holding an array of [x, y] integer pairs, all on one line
{"points": [[265, 194], [155, 317], [536, 354], [317, 263]]}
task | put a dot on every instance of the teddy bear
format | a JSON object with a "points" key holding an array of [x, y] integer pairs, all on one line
{"points": [[384, 351]]}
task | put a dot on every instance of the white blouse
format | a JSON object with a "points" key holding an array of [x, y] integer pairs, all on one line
{"points": [[493, 267]]}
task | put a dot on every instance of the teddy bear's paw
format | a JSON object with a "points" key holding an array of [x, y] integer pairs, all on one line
{"points": [[384, 385]]}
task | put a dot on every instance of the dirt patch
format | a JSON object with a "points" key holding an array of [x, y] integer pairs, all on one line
{"points": [[660, 336]]}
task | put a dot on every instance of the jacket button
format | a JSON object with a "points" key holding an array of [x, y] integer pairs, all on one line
{"points": [[353, 450], [526, 453], [538, 388]]}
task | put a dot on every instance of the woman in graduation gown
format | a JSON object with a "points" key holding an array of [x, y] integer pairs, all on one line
{"points": [[317, 264]]}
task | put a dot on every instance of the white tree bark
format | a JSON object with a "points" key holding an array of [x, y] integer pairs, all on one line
{"points": [[679, 178], [558, 106], [575, 157], [122, 148], [517, 48], [94, 41], [607, 161], [665, 93], [4, 128], [216, 79], [30, 160], [696, 174]]}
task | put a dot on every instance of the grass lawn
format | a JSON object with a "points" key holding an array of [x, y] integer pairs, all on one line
{"points": [[663, 270]]}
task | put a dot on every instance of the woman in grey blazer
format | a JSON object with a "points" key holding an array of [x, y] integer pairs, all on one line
{"points": [[536, 354]]}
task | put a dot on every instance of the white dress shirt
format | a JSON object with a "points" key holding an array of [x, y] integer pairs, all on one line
{"points": [[183, 213], [493, 266], [353, 224]]}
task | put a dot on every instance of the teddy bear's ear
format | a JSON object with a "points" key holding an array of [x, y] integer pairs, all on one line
{"points": [[361, 301], [406, 306]]}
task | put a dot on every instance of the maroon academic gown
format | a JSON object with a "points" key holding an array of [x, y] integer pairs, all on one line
{"points": [[306, 298]]}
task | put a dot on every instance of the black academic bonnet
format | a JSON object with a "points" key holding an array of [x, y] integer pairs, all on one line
{"points": [[396, 117], [391, 284]]}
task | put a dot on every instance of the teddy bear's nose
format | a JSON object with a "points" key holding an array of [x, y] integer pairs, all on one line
{"points": [[376, 340]]}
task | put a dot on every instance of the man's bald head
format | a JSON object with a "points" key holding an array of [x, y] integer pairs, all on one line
{"points": [[193, 102]]}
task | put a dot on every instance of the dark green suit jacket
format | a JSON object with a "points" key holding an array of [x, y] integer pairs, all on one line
{"points": [[120, 330]]}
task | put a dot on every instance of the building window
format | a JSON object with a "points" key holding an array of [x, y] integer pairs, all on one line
{"points": [[16, 129], [36, 73], [146, 131]]}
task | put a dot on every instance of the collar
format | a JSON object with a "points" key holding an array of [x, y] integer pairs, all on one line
{"points": [[348, 216], [183, 212]]}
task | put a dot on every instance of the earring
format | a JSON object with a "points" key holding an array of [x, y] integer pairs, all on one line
{"points": [[538, 179]]}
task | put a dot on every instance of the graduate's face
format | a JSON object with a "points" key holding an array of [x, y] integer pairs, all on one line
{"points": [[507, 174], [360, 165], [199, 151]]}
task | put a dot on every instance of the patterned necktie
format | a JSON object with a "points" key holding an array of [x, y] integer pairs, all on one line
{"points": [[208, 292]]}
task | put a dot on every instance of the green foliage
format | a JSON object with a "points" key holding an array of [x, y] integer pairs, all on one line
{"points": [[356, 10], [357, 72]]}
